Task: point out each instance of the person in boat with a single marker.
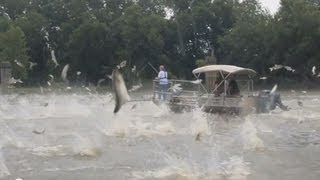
(232, 88)
(163, 83)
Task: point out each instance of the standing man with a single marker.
(232, 87)
(163, 83)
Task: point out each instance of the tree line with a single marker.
(39, 37)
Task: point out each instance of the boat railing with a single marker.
(183, 88)
(220, 101)
(191, 94)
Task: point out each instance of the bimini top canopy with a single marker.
(229, 69)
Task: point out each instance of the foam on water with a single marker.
(187, 165)
(84, 147)
(178, 167)
(48, 151)
(42, 106)
(124, 127)
(235, 168)
(187, 168)
(146, 119)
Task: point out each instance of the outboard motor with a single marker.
(263, 102)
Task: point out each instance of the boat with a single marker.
(210, 91)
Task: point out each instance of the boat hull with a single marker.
(179, 107)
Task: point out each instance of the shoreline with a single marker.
(147, 86)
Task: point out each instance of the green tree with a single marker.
(13, 49)
(246, 43)
(89, 48)
(13, 8)
(34, 25)
(140, 37)
(297, 30)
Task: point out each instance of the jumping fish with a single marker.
(120, 90)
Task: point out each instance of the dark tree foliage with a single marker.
(93, 36)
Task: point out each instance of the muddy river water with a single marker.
(76, 136)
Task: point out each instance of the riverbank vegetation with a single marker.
(39, 37)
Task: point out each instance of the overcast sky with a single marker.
(272, 5)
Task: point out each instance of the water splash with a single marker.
(235, 168)
(199, 125)
(250, 138)
(179, 167)
(81, 132)
(86, 148)
(4, 171)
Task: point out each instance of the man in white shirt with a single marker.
(163, 83)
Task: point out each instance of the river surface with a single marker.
(77, 136)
